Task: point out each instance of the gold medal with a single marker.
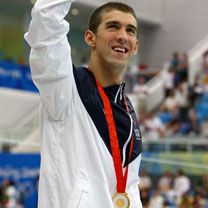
(121, 200)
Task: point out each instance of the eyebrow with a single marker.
(117, 23)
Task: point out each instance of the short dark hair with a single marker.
(96, 16)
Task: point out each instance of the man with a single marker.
(90, 140)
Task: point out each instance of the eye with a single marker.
(131, 31)
(112, 26)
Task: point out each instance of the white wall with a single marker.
(185, 23)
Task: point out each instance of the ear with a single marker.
(136, 47)
(90, 38)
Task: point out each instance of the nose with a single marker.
(122, 35)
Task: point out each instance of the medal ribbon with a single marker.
(121, 178)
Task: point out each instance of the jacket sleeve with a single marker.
(50, 55)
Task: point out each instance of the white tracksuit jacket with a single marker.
(77, 168)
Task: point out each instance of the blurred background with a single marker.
(167, 82)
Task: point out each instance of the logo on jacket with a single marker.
(137, 134)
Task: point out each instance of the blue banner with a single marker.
(23, 169)
(16, 76)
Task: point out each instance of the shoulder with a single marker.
(84, 79)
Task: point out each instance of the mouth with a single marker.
(120, 49)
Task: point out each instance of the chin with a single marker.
(118, 64)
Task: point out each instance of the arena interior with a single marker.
(167, 82)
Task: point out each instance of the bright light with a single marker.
(75, 11)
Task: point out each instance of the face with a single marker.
(116, 39)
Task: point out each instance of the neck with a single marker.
(106, 74)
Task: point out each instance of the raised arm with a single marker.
(50, 56)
